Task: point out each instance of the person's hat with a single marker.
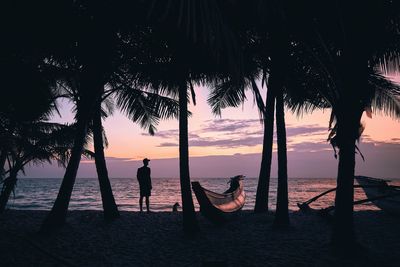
(146, 160)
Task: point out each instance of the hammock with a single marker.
(213, 205)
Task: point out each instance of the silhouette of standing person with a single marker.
(143, 176)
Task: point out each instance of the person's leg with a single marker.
(141, 203)
(147, 203)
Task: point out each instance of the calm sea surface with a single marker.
(40, 193)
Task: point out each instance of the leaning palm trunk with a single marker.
(8, 188)
(189, 216)
(3, 158)
(282, 210)
(265, 170)
(107, 197)
(58, 213)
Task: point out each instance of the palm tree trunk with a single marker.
(343, 228)
(265, 170)
(107, 197)
(349, 110)
(343, 235)
(189, 215)
(3, 158)
(282, 209)
(58, 213)
(8, 187)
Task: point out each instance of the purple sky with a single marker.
(231, 144)
(381, 160)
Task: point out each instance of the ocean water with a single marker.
(40, 193)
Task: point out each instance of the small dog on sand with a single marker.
(175, 207)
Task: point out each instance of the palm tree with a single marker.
(104, 76)
(164, 78)
(92, 58)
(33, 142)
(193, 42)
(25, 135)
(86, 62)
(277, 55)
(346, 48)
(262, 195)
(95, 129)
(189, 219)
(282, 202)
(273, 62)
(83, 64)
(23, 110)
(107, 197)
(3, 158)
(58, 213)
(143, 107)
(280, 47)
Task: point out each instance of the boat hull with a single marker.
(376, 189)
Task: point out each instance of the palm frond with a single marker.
(107, 107)
(192, 92)
(146, 108)
(386, 98)
(258, 99)
(226, 94)
(88, 154)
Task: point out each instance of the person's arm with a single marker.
(151, 187)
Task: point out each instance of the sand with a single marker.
(156, 239)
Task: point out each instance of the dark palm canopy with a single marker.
(26, 135)
(144, 57)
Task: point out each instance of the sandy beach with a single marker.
(156, 239)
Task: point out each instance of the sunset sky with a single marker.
(232, 144)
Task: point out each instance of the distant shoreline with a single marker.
(193, 178)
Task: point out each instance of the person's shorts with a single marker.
(145, 192)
